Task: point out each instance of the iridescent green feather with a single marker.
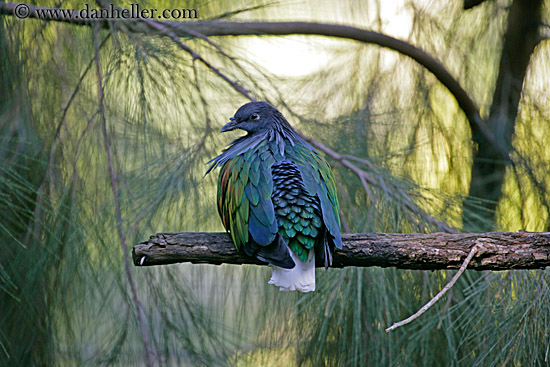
(245, 185)
(232, 203)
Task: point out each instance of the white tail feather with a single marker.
(299, 278)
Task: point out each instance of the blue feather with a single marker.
(261, 234)
(252, 194)
(264, 212)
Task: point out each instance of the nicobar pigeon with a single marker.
(277, 197)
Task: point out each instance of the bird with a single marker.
(277, 197)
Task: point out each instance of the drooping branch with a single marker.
(217, 28)
(496, 250)
(367, 180)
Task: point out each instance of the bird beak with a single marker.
(231, 125)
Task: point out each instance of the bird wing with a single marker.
(245, 186)
(318, 180)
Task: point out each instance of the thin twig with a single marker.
(165, 31)
(366, 178)
(140, 313)
(438, 296)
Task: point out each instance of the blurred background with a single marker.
(65, 293)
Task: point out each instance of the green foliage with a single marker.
(64, 294)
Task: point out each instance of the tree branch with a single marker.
(496, 250)
(217, 28)
(492, 158)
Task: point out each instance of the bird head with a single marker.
(255, 117)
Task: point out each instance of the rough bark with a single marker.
(492, 158)
(497, 250)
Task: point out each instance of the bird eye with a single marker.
(255, 117)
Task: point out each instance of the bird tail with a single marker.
(277, 253)
(324, 251)
(299, 278)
